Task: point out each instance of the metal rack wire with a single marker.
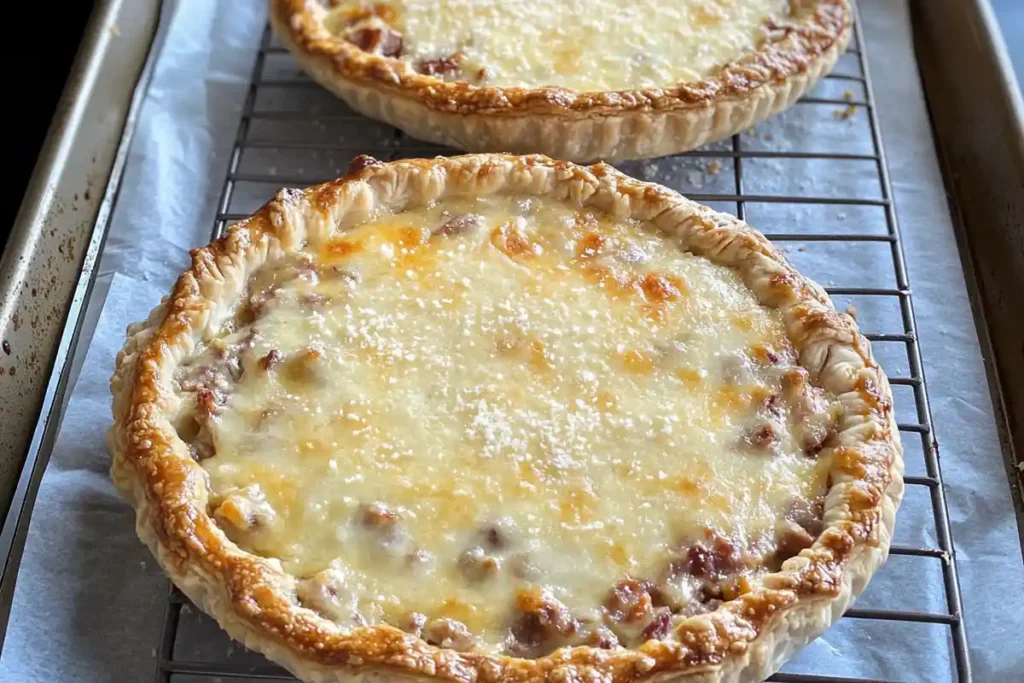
(172, 667)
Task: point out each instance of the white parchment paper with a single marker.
(89, 599)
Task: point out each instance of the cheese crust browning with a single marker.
(214, 359)
(574, 100)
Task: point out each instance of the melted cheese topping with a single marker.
(585, 45)
(571, 396)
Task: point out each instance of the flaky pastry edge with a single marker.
(564, 123)
(251, 597)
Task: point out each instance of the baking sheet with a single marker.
(89, 599)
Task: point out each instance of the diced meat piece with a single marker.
(712, 559)
(496, 536)
(708, 598)
(381, 520)
(799, 529)
(201, 445)
(629, 600)
(378, 40)
(265, 288)
(208, 403)
(209, 375)
(636, 612)
(328, 594)
(210, 389)
(701, 562)
(686, 593)
(659, 626)
(458, 224)
(448, 633)
(476, 565)
(256, 303)
(761, 438)
(807, 514)
(386, 527)
(271, 359)
(391, 44)
(550, 613)
(244, 509)
(378, 515)
(195, 429)
(544, 624)
(217, 370)
(790, 539)
(692, 582)
(772, 405)
(228, 358)
(441, 66)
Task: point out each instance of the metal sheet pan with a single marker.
(54, 230)
(978, 116)
(46, 268)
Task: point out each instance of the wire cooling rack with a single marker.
(292, 133)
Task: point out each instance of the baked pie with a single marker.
(496, 418)
(576, 79)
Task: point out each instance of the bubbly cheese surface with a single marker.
(445, 406)
(585, 45)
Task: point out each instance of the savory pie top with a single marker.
(499, 418)
(576, 79)
(578, 44)
(452, 408)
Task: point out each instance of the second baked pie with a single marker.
(574, 79)
(495, 418)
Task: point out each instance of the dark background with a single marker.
(35, 73)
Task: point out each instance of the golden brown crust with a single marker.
(566, 123)
(253, 598)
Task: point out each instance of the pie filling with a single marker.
(508, 425)
(586, 45)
